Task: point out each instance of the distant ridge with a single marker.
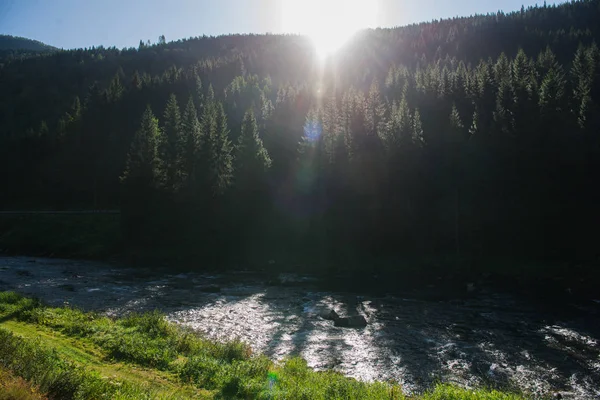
(17, 43)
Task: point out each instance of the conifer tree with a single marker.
(583, 72)
(331, 125)
(474, 129)
(417, 129)
(501, 69)
(456, 126)
(374, 110)
(552, 92)
(136, 82)
(251, 158)
(115, 89)
(172, 144)
(217, 149)
(143, 169)
(191, 131)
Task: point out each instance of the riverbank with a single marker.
(98, 237)
(84, 236)
(66, 353)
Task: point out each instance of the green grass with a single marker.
(75, 355)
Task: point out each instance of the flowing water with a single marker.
(488, 339)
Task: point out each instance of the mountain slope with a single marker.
(17, 43)
(472, 136)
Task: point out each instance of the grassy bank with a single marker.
(66, 353)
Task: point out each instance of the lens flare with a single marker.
(329, 23)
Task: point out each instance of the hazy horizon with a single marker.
(72, 24)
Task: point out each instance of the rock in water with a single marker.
(329, 314)
(357, 321)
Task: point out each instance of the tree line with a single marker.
(412, 142)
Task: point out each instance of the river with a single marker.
(490, 338)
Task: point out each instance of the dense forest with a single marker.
(473, 137)
(12, 47)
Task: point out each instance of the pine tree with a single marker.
(115, 89)
(353, 122)
(266, 109)
(331, 126)
(501, 69)
(457, 133)
(217, 149)
(191, 131)
(374, 110)
(484, 96)
(546, 61)
(398, 132)
(523, 86)
(312, 133)
(552, 93)
(143, 168)
(172, 144)
(210, 95)
(43, 130)
(199, 89)
(75, 113)
(417, 129)
(503, 114)
(136, 82)
(251, 158)
(474, 128)
(583, 72)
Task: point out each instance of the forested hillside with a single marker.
(475, 137)
(15, 47)
(8, 42)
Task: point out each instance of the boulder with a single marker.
(329, 314)
(357, 321)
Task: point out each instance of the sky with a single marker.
(122, 23)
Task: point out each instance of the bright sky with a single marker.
(122, 23)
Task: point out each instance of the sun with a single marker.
(329, 23)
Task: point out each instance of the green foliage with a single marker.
(115, 90)
(192, 137)
(252, 159)
(552, 92)
(172, 144)
(334, 160)
(217, 148)
(57, 377)
(449, 392)
(227, 370)
(144, 166)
